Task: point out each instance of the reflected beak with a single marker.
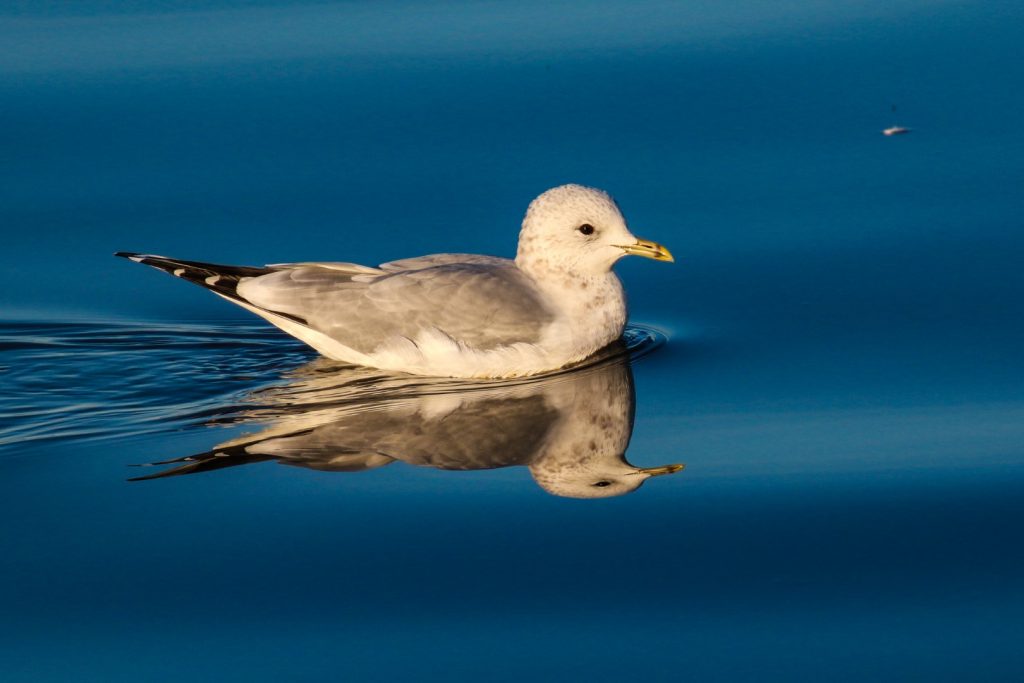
(658, 471)
(648, 249)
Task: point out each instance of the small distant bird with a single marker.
(455, 315)
(895, 129)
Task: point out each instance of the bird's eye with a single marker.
(586, 229)
(602, 484)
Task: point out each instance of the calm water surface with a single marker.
(836, 355)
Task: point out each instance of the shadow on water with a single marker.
(83, 382)
(570, 428)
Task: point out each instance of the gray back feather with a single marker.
(484, 302)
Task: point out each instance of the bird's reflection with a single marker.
(570, 429)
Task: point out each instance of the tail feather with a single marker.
(224, 280)
(220, 279)
(216, 459)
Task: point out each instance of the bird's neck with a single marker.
(560, 273)
(571, 287)
(592, 307)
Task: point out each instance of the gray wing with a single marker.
(484, 302)
(421, 262)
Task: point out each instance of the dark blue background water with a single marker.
(843, 374)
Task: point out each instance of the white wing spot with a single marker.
(212, 280)
(178, 272)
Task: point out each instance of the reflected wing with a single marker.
(435, 431)
(446, 433)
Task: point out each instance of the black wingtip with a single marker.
(125, 254)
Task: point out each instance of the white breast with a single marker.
(589, 316)
(592, 314)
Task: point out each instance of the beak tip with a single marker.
(664, 469)
(648, 249)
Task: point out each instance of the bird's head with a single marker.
(581, 230)
(605, 478)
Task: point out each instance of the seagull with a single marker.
(895, 130)
(454, 315)
(570, 430)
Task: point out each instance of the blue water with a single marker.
(836, 355)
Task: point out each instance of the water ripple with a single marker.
(80, 381)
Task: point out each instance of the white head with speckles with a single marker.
(605, 477)
(584, 453)
(577, 229)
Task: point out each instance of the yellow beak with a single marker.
(648, 249)
(658, 471)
